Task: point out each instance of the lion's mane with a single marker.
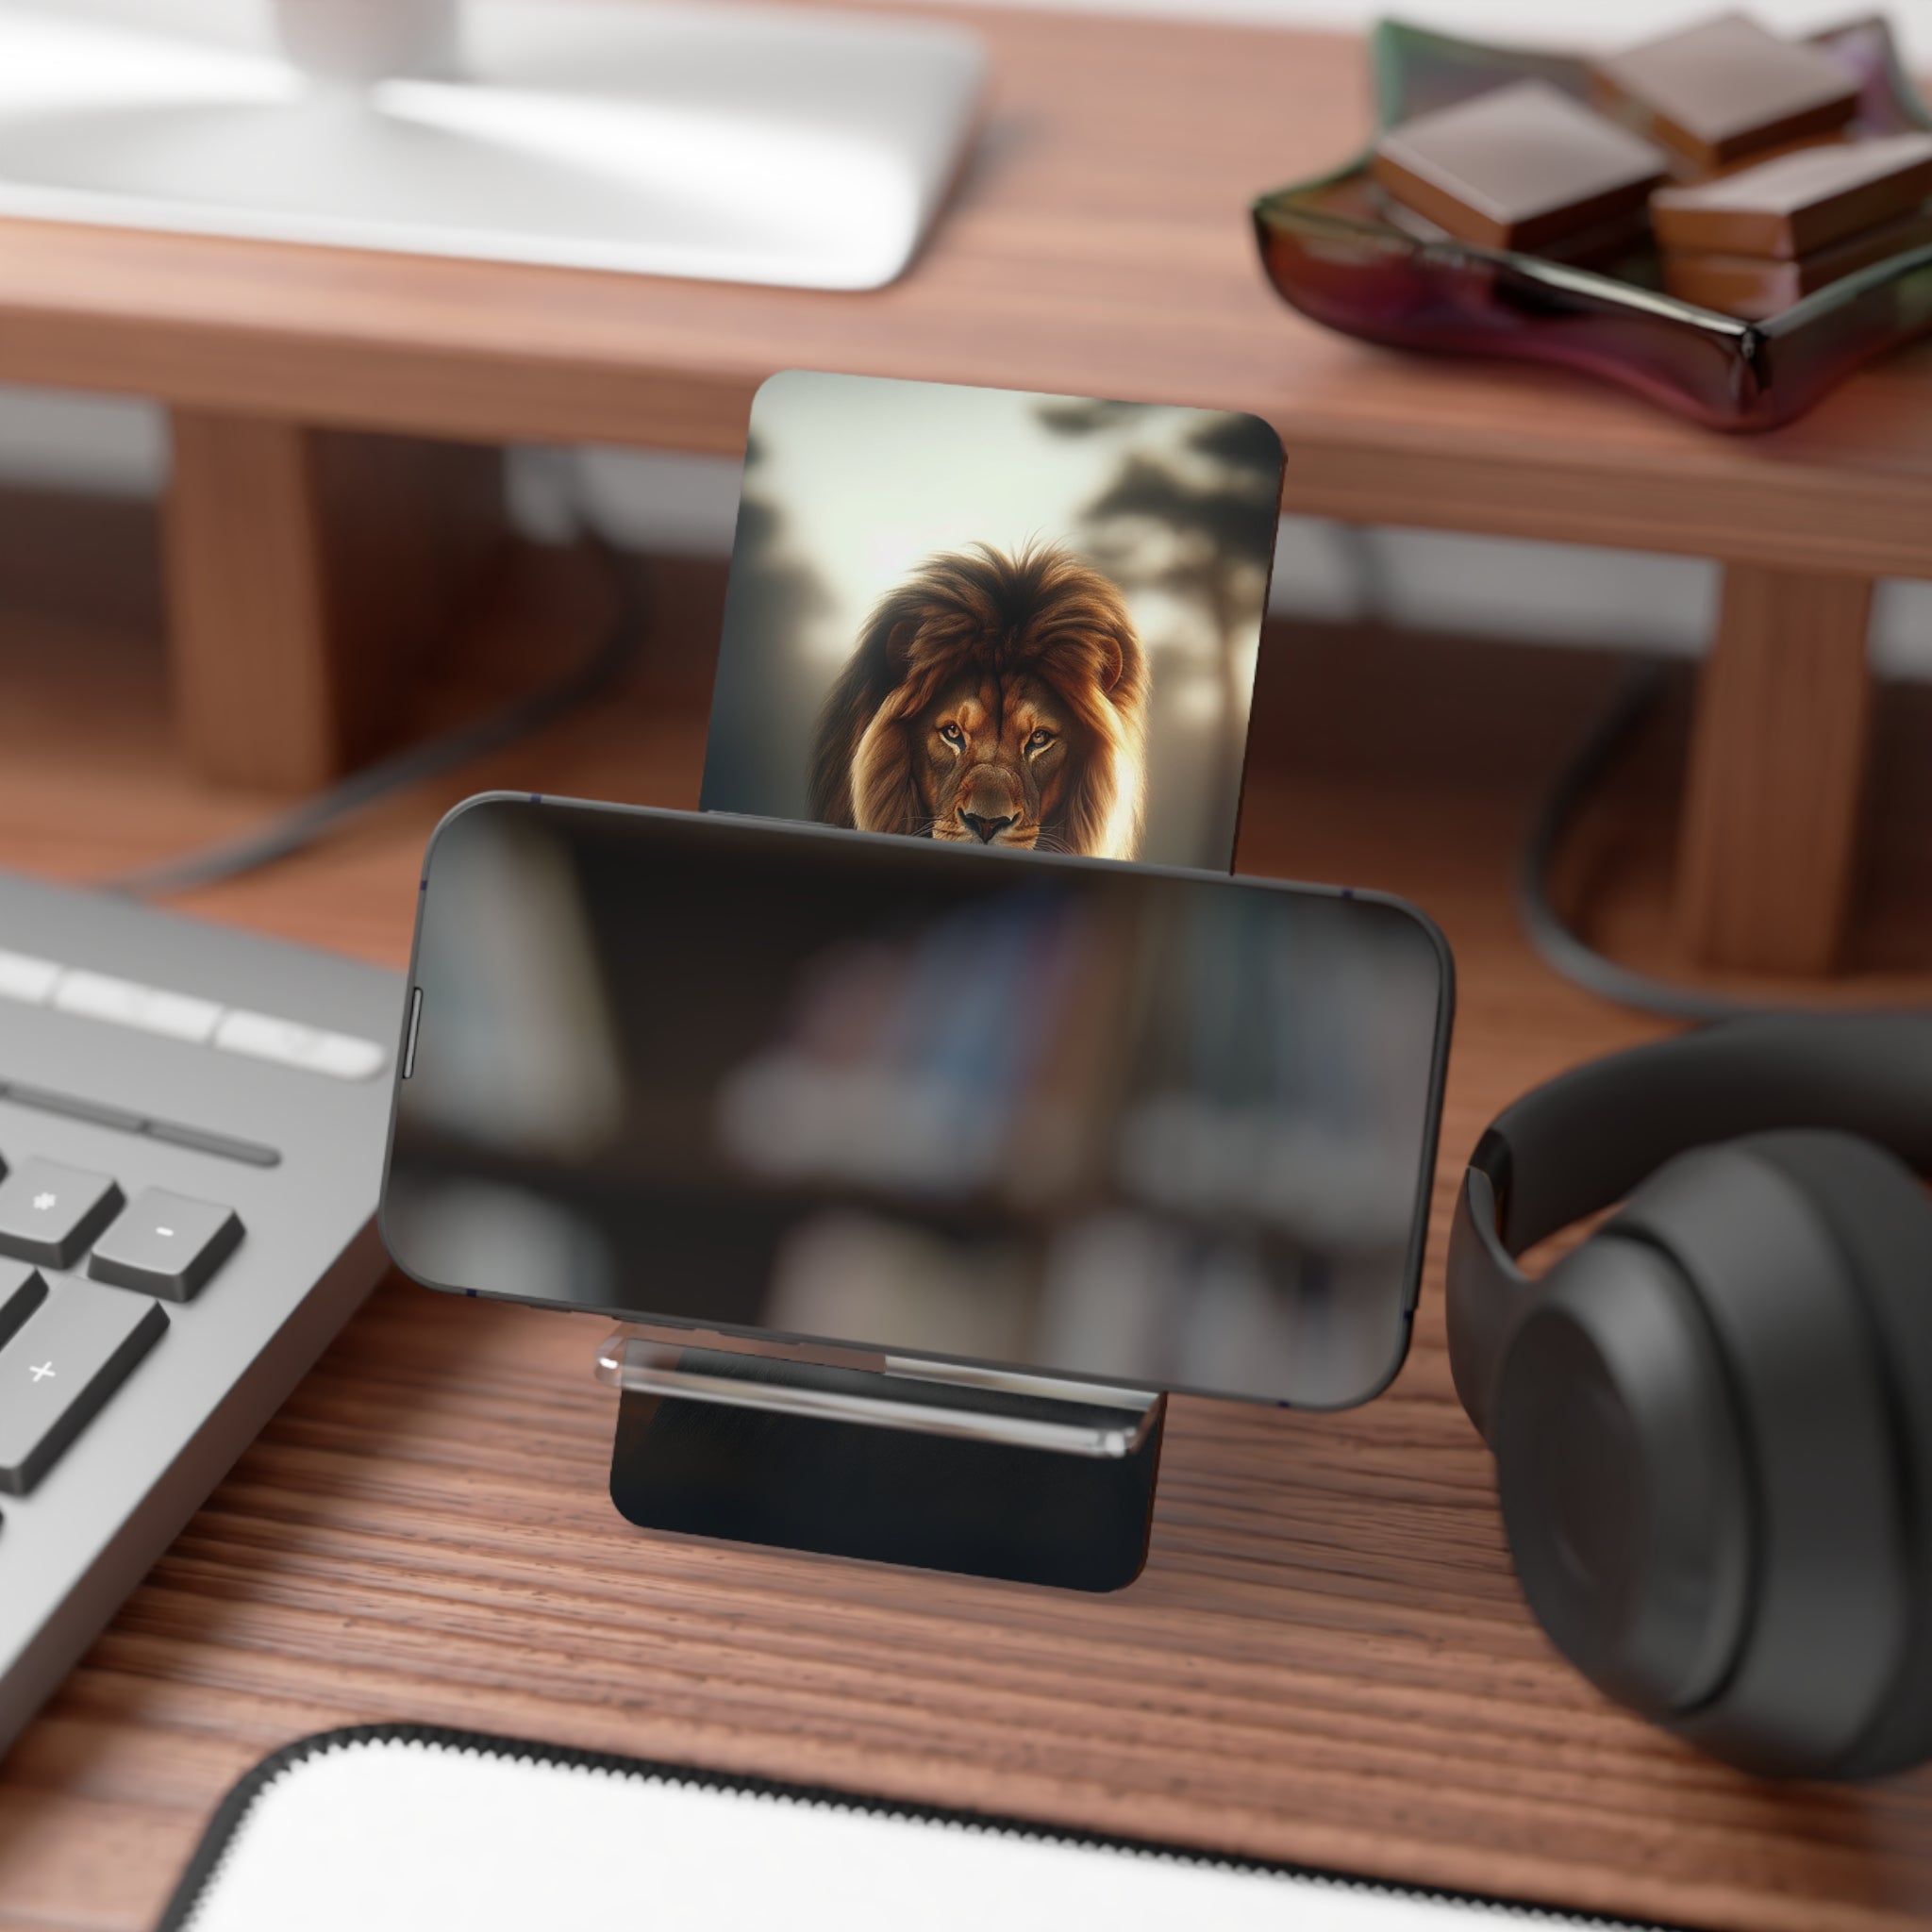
(1043, 611)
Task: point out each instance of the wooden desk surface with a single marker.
(1326, 1658)
(1099, 243)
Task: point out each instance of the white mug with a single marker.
(361, 41)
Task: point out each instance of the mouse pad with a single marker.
(990, 616)
(392, 1828)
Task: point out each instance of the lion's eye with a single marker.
(1040, 740)
(952, 734)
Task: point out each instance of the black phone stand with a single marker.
(940, 1467)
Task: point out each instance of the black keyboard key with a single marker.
(22, 1291)
(166, 1244)
(50, 1213)
(178, 1135)
(70, 1354)
(95, 1112)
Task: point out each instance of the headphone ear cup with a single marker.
(1879, 1212)
(1831, 1591)
(1622, 1477)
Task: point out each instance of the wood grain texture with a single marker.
(1326, 1658)
(1778, 776)
(1097, 243)
(308, 572)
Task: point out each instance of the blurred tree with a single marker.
(1200, 527)
(768, 691)
(1083, 415)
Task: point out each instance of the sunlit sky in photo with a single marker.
(872, 478)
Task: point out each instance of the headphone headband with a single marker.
(1582, 1142)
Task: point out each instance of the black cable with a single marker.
(301, 825)
(1558, 945)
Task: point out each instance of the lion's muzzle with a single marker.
(990, 806)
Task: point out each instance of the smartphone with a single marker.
(1143, 1128)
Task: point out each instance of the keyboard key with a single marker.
(70, 1354)
(124, 1003)
(73, 1106)
(50, 1213)
(166, 1244)
(290, 1044)
(178, 1134)
(22, 1291)
(24, 977)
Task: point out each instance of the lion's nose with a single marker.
(983, 828)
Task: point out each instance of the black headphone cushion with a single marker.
(1879, 1212)
(1829, 1501)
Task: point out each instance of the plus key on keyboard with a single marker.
(67, 1358)
(166, 1244)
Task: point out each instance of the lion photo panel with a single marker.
(988, 616)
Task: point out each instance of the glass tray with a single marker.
(1332, 252)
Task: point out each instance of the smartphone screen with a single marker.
(1161, 1129)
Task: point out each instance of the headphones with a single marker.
(1712, 1421)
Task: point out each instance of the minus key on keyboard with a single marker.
(166, 1244)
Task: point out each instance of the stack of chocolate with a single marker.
(1754, 242)
(1734, 148)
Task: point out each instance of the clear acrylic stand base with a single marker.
(984, 1474)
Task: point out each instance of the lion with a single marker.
(994, 700)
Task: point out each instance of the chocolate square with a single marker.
(1756, 286)
(1518, 167)
(1727, 88)
(1800, 201)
